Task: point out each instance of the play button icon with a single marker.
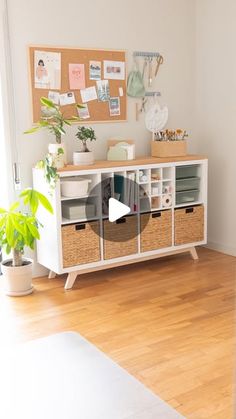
(117, 210)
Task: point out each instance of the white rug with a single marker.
(63, 376)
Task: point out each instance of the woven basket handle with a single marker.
(189, 210)
(80, 226)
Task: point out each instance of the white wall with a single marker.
(216, 114)
(167, 26)
(163, 25)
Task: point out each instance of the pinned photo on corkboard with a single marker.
(103, 90)
(114, 70)
(114, 106)
(95, 70)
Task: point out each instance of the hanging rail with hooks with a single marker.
(153, 94)
(146, 54)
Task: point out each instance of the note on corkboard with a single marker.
(95, 78)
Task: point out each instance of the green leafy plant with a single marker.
(85, 134)
(20, 229)
(53, 119)
(50, 171)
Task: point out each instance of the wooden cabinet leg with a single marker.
(193, 253)
(71, 277)
(51, 275)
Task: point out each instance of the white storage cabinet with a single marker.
(177, 223)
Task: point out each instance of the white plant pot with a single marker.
(59, 160)
(17, 279)
(82, 158)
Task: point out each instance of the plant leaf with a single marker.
(19, 227)
(9, 231)
(32, 200)
(67, 122)
(78, 105)
(32, 130)
(47, 102)
(14, 206)
(33, 230)
(44, 201)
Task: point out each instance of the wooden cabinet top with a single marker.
(140, 161)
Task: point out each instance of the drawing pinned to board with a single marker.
(54, 97)
(114, 70)
(76, 76)
(83, 112)
(103, 90)
(88, 94)
(67, 98)
(114, 106)
(47, 70)
(95, 70)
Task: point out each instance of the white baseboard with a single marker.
(222, 248)
(39, 270)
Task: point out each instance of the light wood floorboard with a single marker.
(169, 322)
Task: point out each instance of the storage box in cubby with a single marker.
(125, 232)
(80, 243)
(187, 197)
(76, 209)
(187, 184)
(74, 186)
(187, 171)
(189, 225)
(157, 233)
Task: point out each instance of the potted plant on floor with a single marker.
(85, 156)
(18, 230)
(54, 121)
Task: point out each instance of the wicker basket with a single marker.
(80, 243)
(189, 225)
(125, 230)
(158, 231)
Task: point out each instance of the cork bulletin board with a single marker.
(103, 71)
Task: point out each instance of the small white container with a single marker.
(74, 187)
(155, 190)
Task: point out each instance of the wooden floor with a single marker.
(169, 322)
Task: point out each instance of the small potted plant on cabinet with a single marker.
(19, 230)
(54, 121)
(85, 156)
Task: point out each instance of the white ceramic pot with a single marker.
(59, 160)
(17, 279)
(82, 158)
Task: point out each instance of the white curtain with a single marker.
(7, 122)
(4, 195)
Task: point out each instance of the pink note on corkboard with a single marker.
(76, 76)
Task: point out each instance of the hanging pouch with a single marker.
(135, 86)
